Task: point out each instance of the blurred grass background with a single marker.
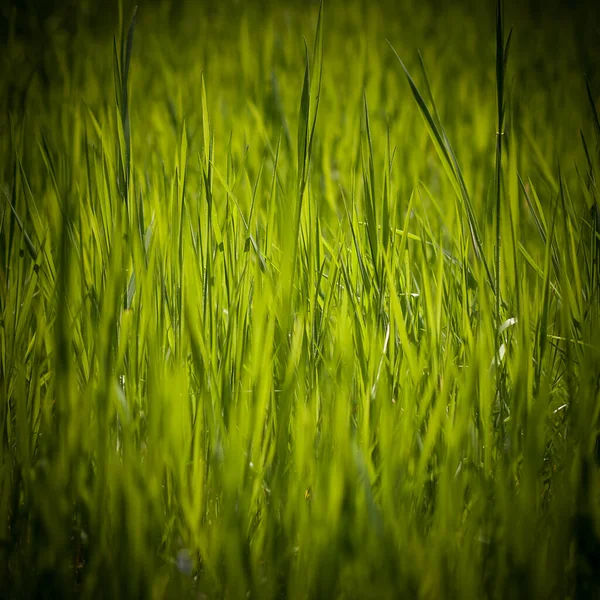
(238, 364)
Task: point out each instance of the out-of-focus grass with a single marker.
(266, 331)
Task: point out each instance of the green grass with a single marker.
(300, 320)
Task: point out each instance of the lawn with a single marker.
(301, 301)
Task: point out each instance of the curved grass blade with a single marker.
(451, 166)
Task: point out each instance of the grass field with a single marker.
(285, 320)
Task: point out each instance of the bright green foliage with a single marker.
(264, 332)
